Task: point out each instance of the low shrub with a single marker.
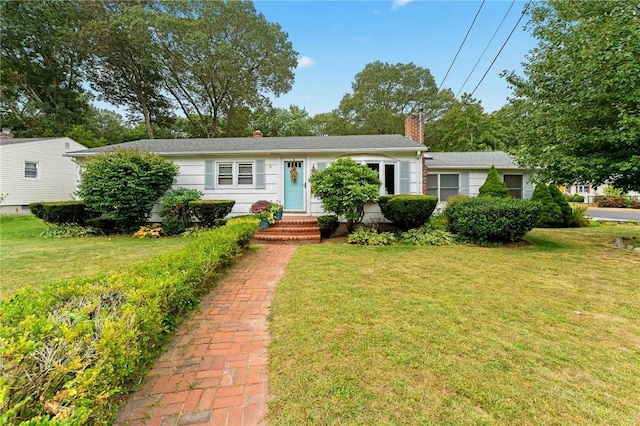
(580, 219)
(427, 236)
(565, 208)
(635, 204)
(105, 224)
(150, 231)
(616, 201)
(439, 221)
(71, 231)
(328, 225)
(366, 236)
(408, 211)
(577, 198)
(492, 220)
(220, 222)
(176, 211)
(208, 211)
(72, 349)
(61, 212)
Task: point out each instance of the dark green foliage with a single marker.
(220, 222)
(70, 231)
(105, 224)
(101, 332)
(492, 220)
(328, 225)
(565, 208)
(493, 186)
(208, 211)
(550, 213)
(176, 213)
(408, 211)
(125, 184)
(577, 198)
(615, 201)
(62, 212)
(427, 235)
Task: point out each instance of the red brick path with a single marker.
(215, 370)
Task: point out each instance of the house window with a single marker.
(387, 175)
(234, 173)
(443, 185)
(31, 170)
(514, 185)
(584, 189)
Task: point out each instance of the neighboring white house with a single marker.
(453, 173)
(261, 168)
(36, 170)
(591, 192)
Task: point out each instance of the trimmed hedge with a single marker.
(408, 211)
(76, 346)
(492, 220)
(328, 225)
(617, 201)
(62, 212)
(550, 212)
(207, 211)
(565, 208)
(493, 186)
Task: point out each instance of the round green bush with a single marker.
(550, 213)
(408, 211)
(577, 198)
(565, 208)
(328, 225)
(493, 186)
(208, 211)
(492, 220)
(62, 212)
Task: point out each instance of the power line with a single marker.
(462, 44)
(524, 11)
(486, 47)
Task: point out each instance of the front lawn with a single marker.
(29, 260)
(545, 333)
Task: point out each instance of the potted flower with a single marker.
(277, 209)
(262, 210)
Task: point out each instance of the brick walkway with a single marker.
(215, 370)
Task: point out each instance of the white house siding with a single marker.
(56, 179)
(192, 175)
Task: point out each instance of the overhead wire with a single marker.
(462, 44)
(486, 47)
(524, 12)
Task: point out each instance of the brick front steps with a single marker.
(291, 230)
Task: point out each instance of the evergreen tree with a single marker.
(493, 186)
(565, 208)
(550, 213)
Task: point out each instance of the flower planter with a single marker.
(264, 224)
(277, 215)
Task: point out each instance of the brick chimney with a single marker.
(257, 134)
(413, 128)
(6, 133)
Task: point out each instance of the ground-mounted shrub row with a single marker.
(209, 211)
(328, 225)
(62, 212)
(408, 211)
(492, 220)
(70, 350)
(616, 201)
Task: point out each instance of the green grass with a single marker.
(537, 334)
(28, 260)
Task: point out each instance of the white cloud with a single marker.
(397, 4)
(305, 62)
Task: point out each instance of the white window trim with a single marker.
(382, 174)
(439, 185)
(24, 170)
(235, 174)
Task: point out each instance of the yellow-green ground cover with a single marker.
(28, 260)
(530, 334)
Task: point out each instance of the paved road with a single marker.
(623, 215)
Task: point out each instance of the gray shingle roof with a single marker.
(471, 160)
(11, 141)
(351, 144)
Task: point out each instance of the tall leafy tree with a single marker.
(384, 94)
(580, 93)
(123, 67)
(218, 57)
(294, 121)
(40, 63)
(465, 127)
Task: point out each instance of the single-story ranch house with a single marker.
(35, 169)
(256, 168)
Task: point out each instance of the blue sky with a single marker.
(336, 39)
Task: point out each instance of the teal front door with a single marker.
(294, 185)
